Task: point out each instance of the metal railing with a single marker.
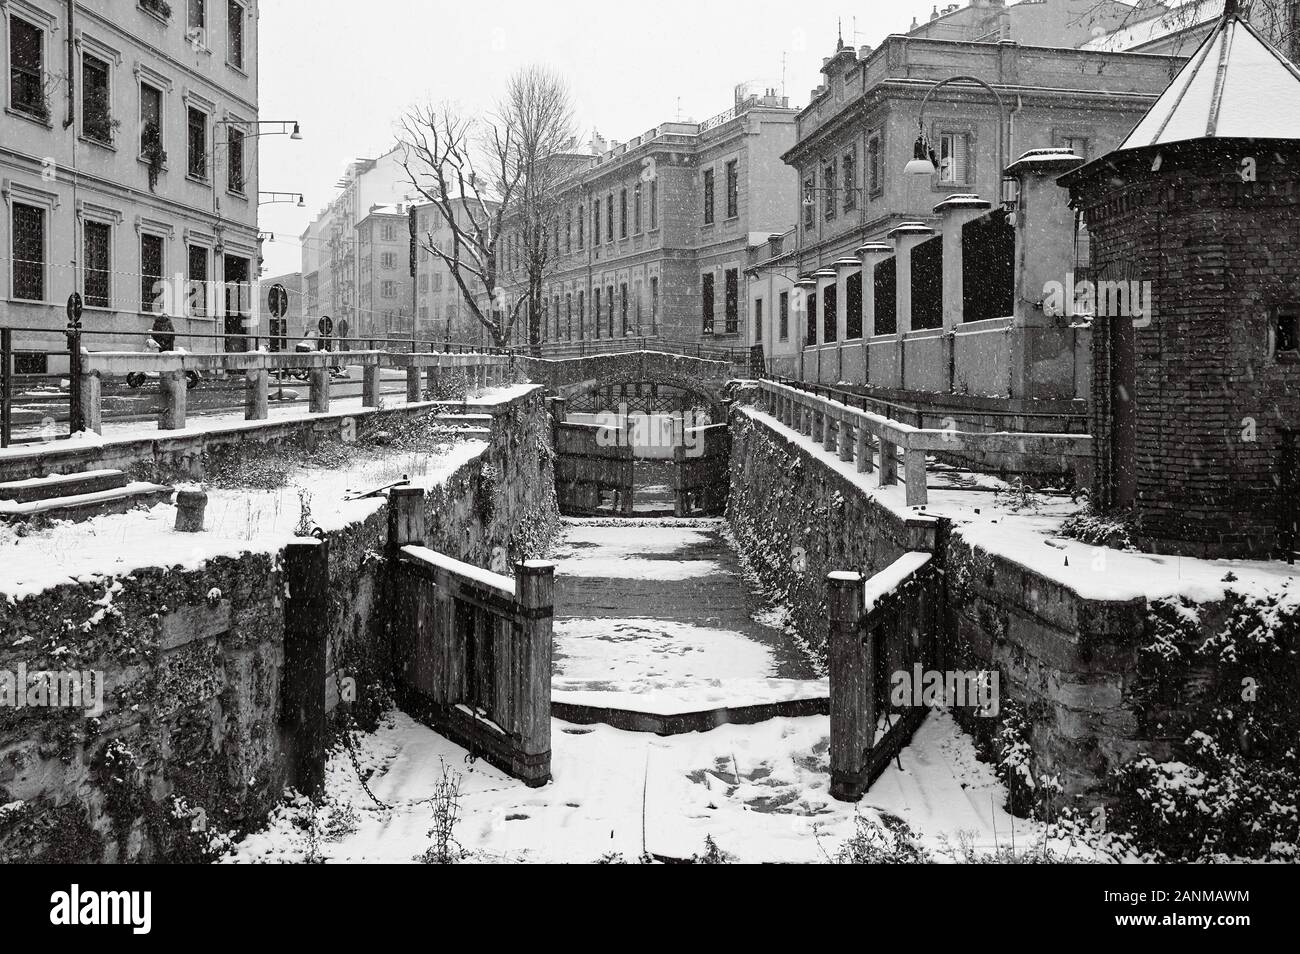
(44, 394)
(593, 346)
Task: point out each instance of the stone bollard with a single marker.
(257, 384)
(190, 508)
(92, 406)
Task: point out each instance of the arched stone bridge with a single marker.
(575, 378)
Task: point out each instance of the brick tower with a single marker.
(1195, 254)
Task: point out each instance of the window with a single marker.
(235, 172)
(388, 289)
(783, 316)
(235, 48)
(1077, 145)
(733, 189)
(389, 232)
(423, 283)
(810, 303)
(732, 301)
(622, 218)
(758, 319)
(595, 223)
(29, 252)
(582, 222)
(623, 306)
(829, 188)
(848, 174)
(873, 164)
(151, 117)
(27, 68)
(596, 306)
(609, 217)
(197, 139)
(97, 252)
(568, 316)
(654, 303)
(1287, 339)
(609, 307)
(198, 291)
(809, 204)
(708, 196)
(636, 208)
(582, 312)
(654, 203)
(706, 301)
(151, 271)
(198, 21)
(568, 230)
(952, 159)
(96, 120)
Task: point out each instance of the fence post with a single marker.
(431, 382)
(256, 394)
(412, 384)
(408, 523)
(410, 628)
(306, 636)
(320, 390)
(830, 430)
(862, 449)
(174, 393)
(534, 592)
(888, 463)
(370, 385)
(92, 407)
(852, 715)
(844, 440)
(914, 477)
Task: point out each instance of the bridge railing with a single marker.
(854, 434)
(177, 372)
(472, 648)
(591, 346)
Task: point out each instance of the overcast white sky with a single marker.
(346, 69)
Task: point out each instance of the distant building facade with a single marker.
(653, 234)
(384, 271)
(136, 185)
(331, 253)
(443, 312)
(857, 133)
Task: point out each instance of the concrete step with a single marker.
(77, 507)
(61, 485)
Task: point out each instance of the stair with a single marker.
(76, 496)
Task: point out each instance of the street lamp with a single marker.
(924, 162)
(282, 197)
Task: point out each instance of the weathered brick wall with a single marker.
(1221, 255)
(193, 661)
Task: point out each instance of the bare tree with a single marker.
(468, 171)
(1278, 20)
(537, 111)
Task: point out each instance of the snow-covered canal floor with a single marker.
(761, 791)
(657, 616)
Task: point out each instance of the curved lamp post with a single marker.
(923, 162)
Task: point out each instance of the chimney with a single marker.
(934, 14)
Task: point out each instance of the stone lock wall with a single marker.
(193, 662)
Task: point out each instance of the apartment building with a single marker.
(331, 254)
(128, 169)
(652, 234)
(384, 271)
(857, 134)
(443, 312)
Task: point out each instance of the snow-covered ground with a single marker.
(761, 791)
(237, 521)
(655, 616)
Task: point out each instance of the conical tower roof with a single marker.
(1236, 85)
